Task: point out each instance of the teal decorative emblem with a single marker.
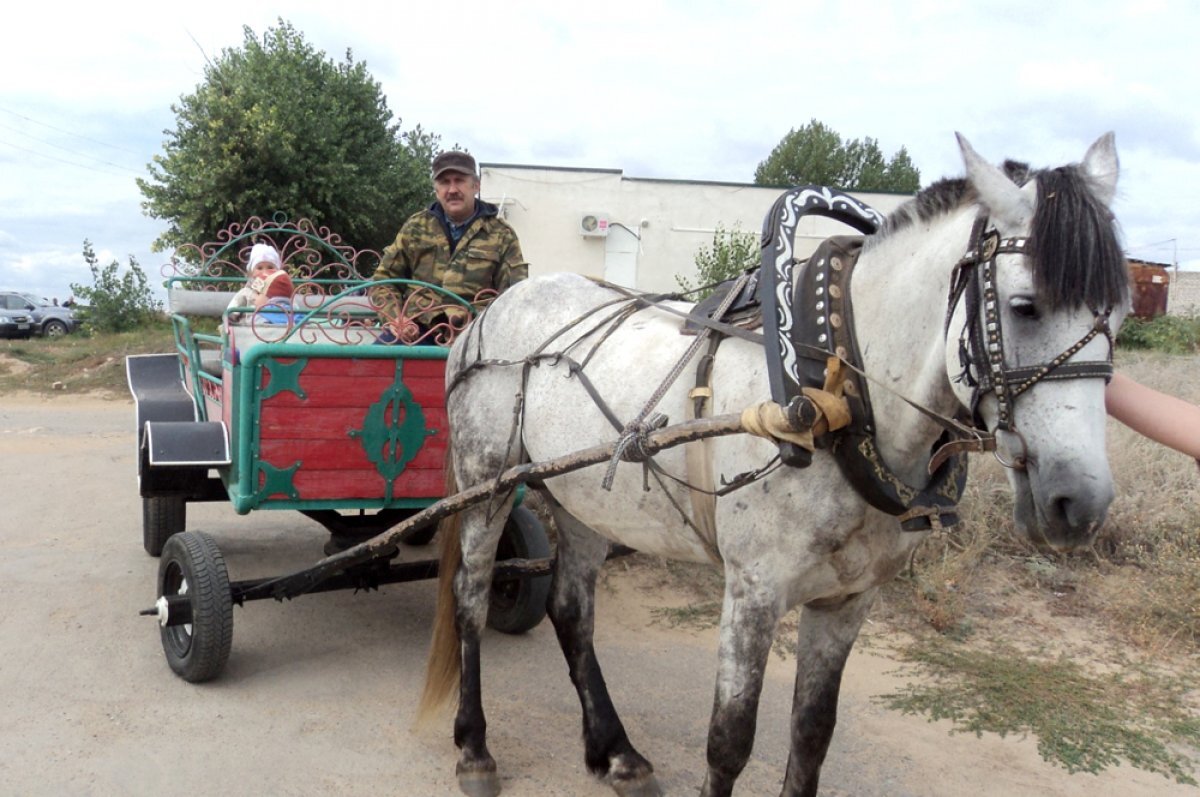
(284, 376)
(393, 432)
(276, 480)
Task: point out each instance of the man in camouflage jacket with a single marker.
(459, 243)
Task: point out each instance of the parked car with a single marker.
(45, 319)
(15, 324)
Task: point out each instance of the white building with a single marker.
(634, 231)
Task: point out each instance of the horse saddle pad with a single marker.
(745, 311)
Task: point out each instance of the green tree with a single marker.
(729, 254)
(815, 154)
(277, 126)
(115, 301)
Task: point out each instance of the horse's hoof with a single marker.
(640, 786)
(479, 784)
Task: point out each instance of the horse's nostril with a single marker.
(1061, 508)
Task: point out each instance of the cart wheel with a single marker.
(519, 605)
(162, 516)
(421, 536)
(192, 565)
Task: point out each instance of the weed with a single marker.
(697, 616)
(1082, 722)
(1173, 334)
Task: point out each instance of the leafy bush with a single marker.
(115, 302)
(730, 253)
(1173, 334)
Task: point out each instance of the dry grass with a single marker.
(1126, 611)
(77, 363)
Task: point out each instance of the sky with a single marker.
(676, 89)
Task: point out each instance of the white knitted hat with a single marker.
(261, 252)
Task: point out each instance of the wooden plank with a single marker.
(316, 485)
(325, 423)
(354, 366)
(310, 423)
(347, 454)
(342, 366)
(330, 392)
(344, 391)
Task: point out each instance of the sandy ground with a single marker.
(319, 693)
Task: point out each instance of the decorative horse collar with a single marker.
(825, 326)
(810, 329)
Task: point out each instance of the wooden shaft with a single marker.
(381, 545)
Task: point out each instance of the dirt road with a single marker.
(319, 693)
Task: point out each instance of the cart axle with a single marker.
(175, 610)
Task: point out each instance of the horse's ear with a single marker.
(1000, 195)
(1101, 166)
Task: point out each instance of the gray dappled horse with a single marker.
(1008, 350)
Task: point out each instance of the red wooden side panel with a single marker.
(342, 424)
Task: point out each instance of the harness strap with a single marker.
(698, 457)
(634, 427)
(653, 300)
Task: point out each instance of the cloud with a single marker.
(697, 90)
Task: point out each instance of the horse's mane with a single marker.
(1074, 248)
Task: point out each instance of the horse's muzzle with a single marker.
(1058, 512)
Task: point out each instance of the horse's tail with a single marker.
(445, 653)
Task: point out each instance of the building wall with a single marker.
(1184, 296)
(655, 227)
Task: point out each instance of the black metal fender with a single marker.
(175, 450)
(156, 384)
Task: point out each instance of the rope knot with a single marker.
(632, 445)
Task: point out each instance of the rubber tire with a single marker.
(515, 607)
(162, 517)
(191, 563)
(421, 536)
(54, 329)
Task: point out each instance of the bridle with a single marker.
(981, 341)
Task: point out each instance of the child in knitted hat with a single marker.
(267, 282)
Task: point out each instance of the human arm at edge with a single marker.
(1163, 418)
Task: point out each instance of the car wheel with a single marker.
(54, 329)
(192, 566)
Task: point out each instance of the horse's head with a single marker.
(1029, 345)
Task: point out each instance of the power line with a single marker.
(60, 160)
(68, 150)
(69, 132)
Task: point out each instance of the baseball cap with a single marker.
(453, 162)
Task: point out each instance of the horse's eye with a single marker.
(1023, 307)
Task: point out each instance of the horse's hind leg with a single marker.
(825, 638)
(476, 769)
(607, 750)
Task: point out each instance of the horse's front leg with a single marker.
(826, 635)
(476, 769)
(607, 750)
(748, 621)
